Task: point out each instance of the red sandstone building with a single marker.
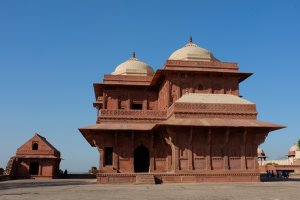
(37, 158)
(183, 123)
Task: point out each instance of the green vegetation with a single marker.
(299, 143)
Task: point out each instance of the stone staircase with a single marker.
(145, 179)
(10, 167)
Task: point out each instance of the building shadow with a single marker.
(38, 183)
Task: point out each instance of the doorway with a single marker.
(141, 159)
(34, 168)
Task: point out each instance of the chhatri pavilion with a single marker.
(185, 122)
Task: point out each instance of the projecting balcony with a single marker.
(132, 115)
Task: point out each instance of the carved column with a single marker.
(104, 100)
(170, 138)
(190, 151)
(128, 103)
(243, 150)
(115, 153)
(176, 158)
(41, 168)
(101, 155)
(208, 150)
(176, 152)
(132, 151)
(225, 149)
(98, 114)
(167, 139)
(151, 167)
(168, 94)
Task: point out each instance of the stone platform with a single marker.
(87, 189)
(133, 178)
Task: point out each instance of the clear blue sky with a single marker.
(51, 52)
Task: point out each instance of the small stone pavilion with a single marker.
(37, 158)
(186, 122)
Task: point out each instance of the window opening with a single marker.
(35, 146)
(108, 155)
(137, 106)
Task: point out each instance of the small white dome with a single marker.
(134, 67)
(192, 52)
(294, 148)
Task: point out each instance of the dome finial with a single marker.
(191, 39)
(133, 54)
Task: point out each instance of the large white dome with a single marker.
(133, 67)
(192, 52)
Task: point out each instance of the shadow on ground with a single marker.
(35, 183)
(280, 179)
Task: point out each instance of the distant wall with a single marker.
(279, 162)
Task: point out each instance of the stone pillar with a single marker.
(132, 152)
(255, 160)
(128, 103)
(225, 149)
(208, 150)
(104, 100)
(176, 158)
(101, 158)
(115, 154)
(40, 167)
(190, 151)
(168, 94)
(170, 138)
(151, 150)
(243, 150)
(101, 154)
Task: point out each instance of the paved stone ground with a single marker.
(87, 189)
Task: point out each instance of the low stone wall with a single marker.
(80, 176)
(112, 178)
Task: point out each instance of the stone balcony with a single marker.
(181, 110)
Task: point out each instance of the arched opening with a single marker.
(141, 159)
(34, 168)
(35, 146)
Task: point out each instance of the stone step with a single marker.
(145, 179)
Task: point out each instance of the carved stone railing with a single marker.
(182, 110)
(152, 115)
(246, 111)
(215, 65)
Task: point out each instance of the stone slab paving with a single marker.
(87, 189)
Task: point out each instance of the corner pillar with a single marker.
(101, 154)
(190, 151)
